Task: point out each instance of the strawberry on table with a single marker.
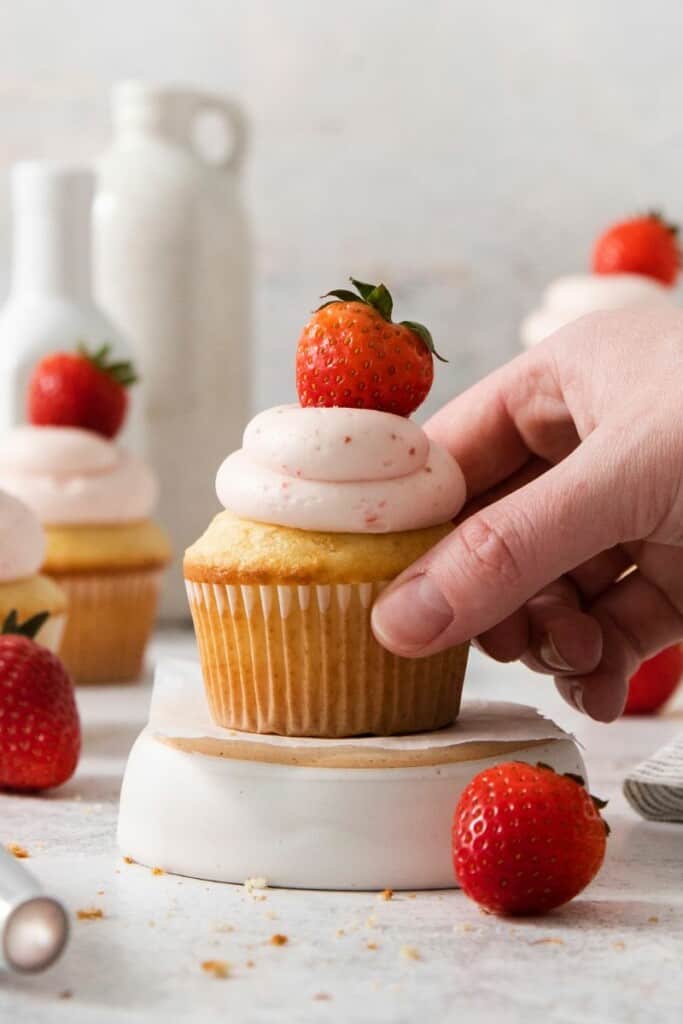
(80, 389)
(525, 839)
(655, 682)
(352, 354)
(645, 245)
(40, 732)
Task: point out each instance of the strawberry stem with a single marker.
(123, 372)
(29, 628)
(379, 298)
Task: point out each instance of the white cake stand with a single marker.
(369, 813)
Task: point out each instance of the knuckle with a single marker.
(491, 551)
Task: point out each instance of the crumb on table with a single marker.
(278, 940)
(90, 914)
(17, 850)
(158, 871)
(409, 953)
(387, 894)
(216, 968)
(128, 860)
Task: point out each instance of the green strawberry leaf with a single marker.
(29, 628)
(380, 299)
(362, 288)
(425, 335)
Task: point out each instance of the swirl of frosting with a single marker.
(340, 470)
(570, 297)
(70, 476)
(22, 541)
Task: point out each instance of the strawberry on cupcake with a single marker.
(95, 500)
(635, 265)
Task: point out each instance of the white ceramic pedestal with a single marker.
(296, 813)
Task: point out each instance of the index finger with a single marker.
(516, 413)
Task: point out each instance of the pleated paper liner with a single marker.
(302, 661)
(110, 618)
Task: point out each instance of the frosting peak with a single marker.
(340, 470)
(574, 295)
(22, 542)
(70, 476)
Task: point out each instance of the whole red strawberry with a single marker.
(350, 353)
(525, 839)
(80, 389)
(40, 732)
(643, 245)
(655, 681)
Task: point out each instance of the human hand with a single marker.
(573, 456)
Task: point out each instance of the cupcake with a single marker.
(635, 265)
(324, 504)
(94, 500)
(24, 593)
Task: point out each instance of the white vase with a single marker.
(50, 304)
(171, 264)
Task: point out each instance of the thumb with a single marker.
(498, 558)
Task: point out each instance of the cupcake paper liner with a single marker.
(110, 618)
(302, 661)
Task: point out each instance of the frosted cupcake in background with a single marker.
(24, 592)
(635, 266)
(325, 503)
(95, 501)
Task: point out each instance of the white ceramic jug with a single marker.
(172, 266)
(50, 305)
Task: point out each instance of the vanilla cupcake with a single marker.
(323, 507)
(23, 591)
(94, 500)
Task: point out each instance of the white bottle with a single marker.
(172, 266)
(50, 304)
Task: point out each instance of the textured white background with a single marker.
(465, 150)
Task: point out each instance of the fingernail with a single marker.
(411, 616)
(576, 697)
(551, 657)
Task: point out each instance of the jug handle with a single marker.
(232, 114)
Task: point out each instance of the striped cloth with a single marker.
(655, 788)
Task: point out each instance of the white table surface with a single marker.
(613, 955)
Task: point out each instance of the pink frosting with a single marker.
(340, 470)
(71, 476)
(22, 541)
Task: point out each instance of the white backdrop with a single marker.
(465, 151)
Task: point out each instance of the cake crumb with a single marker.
(158, 871)
(465, 926)
(410, 953)
(339, 932)
(412, 895)
(549, 940)
(387, 894)
(66, 993)
(371, 945)
(619, 945)
(271, 915)
(17, 850)
(151, 924)
(653, 920)
(128, 860)
(322, 997)
(250, 963)
(371, 921)
(100, 892)
(278, 940)
(224, 929)
(252, 884)
(216, 968)
(90, 914)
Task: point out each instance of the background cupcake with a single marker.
(324, 506)
(25, 593)
(95, 500)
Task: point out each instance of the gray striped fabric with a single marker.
(655, 788)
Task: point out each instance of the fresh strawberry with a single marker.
(80, 389)
(655, 681)
(40, 733)
(525, 839)
(643, 245)
(350, 353)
